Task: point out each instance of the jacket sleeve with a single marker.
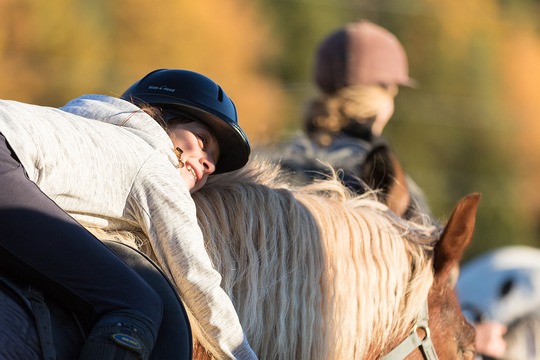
(160, 201)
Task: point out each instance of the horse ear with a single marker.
(382, 170)
(456, 236)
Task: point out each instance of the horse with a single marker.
(319, 272)
(503, 285)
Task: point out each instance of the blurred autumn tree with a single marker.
(470, 125)
(470, 135)
(51, 51)
(458, 119)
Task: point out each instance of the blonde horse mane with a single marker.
(315, 272)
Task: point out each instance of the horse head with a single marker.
(453, 333)
(450, 335)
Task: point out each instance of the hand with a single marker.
(490, 338)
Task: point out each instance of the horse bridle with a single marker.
(413, 341)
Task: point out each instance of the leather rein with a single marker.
(413, 341)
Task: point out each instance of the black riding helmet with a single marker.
(189, 93)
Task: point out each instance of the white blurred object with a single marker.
(503, 285)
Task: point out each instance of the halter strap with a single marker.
(413, 341)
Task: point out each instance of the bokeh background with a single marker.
(471, 124)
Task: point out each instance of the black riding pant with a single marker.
(42, 243)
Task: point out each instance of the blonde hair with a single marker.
(327, 115)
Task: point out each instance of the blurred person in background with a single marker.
(358, 71)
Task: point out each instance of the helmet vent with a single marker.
(220, 94)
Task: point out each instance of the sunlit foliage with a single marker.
(470, 125)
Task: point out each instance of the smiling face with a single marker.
(200, 151)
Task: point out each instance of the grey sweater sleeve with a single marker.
(163, 205)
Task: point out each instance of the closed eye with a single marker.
(203, 140)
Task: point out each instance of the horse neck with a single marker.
(364, 249)
(315, 260)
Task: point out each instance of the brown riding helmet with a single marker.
(361, 53)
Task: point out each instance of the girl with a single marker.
(108, 163)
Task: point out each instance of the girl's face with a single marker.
(385, 112)
(200, 152)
